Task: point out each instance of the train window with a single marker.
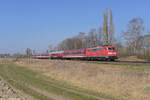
(90, 50)
(111, 49)
(94, 49)
(100, 49)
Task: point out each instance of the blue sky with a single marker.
(37, 23)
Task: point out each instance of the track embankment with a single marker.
(113, 80)
(140, 63)
(38, 86)
(7, 92)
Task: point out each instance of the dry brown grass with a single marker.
(130, 58)
(115, 80)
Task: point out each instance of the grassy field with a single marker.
(116, 82)
(37, 85)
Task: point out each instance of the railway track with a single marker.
(140, 63)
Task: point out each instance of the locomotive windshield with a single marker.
(111, 49)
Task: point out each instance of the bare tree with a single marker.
(76, 42)
(133, 34)
(105, 27)
(100, 38)
(92, 38)
(111, 28)
(34, 52)
(28, 52)
(5, 55)
(17, 56)
(108, 28)
(146, 46)
(81, 38)
(50, 48)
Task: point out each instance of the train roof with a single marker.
(101, 46)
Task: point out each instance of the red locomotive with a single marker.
(95, 53)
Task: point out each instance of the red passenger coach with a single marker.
(79, 53)
(41, 56)
(57, 54)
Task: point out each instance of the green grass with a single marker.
(21, 78)
(28, 91)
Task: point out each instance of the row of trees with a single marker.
(5, 55)
(18, 55)
(103, 36)
(134, 40)
(137, 42)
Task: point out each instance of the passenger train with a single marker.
(94, 53)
